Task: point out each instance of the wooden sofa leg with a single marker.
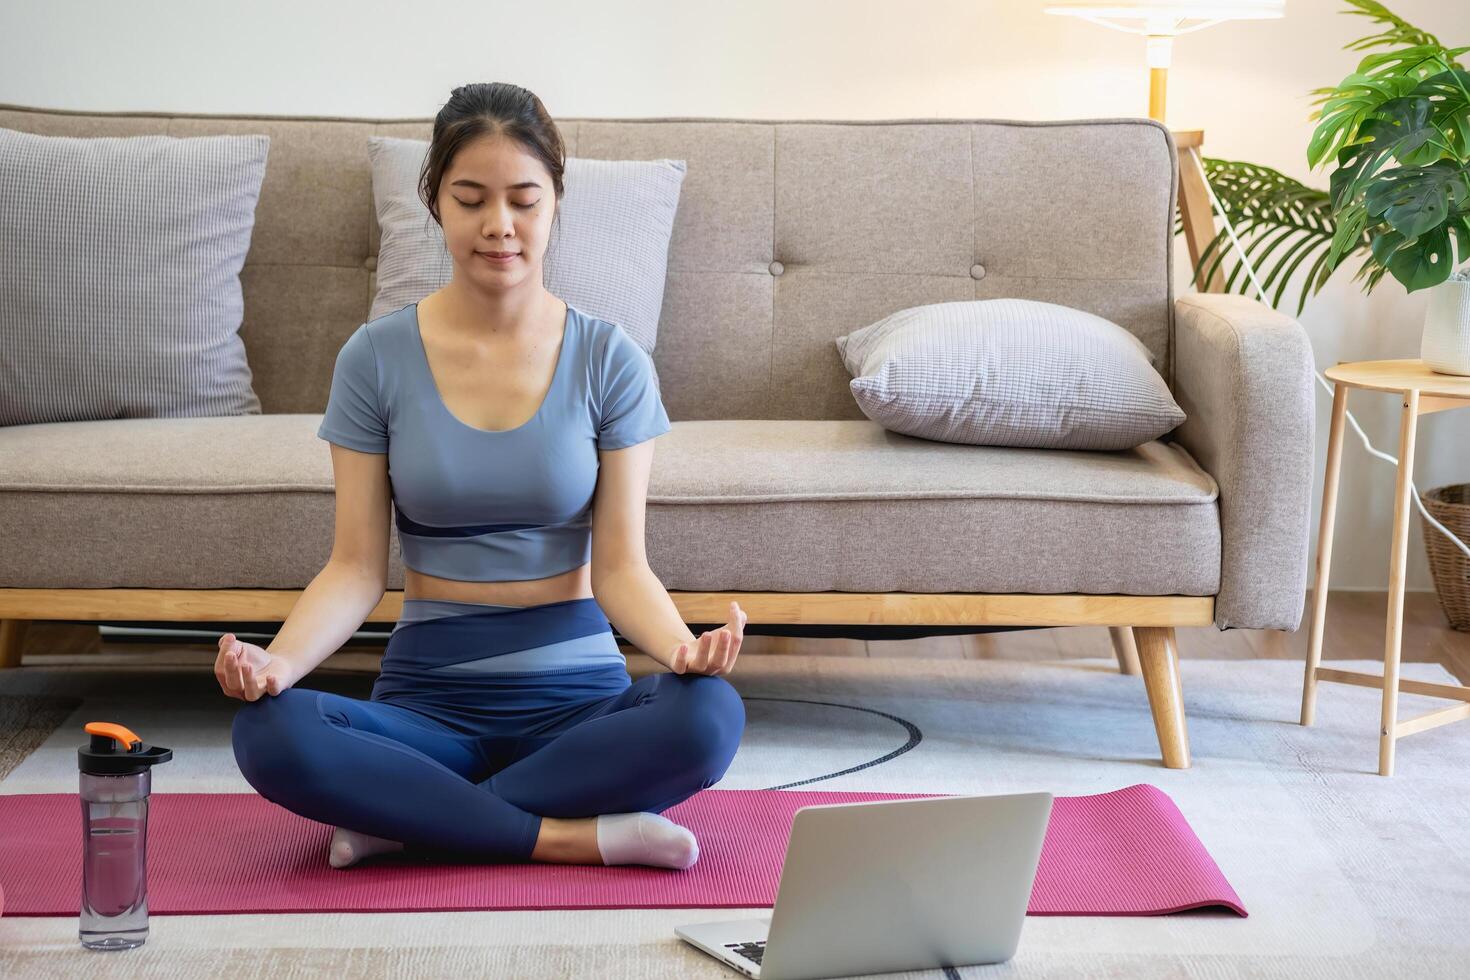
(12, 637)
(1158, 656)
(1125, 649)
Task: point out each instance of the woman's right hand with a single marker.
(247, 671)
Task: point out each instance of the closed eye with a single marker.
(471, 206)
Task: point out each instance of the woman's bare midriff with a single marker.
(573, 584)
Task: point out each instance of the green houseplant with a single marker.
(1397, 130)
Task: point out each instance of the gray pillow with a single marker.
(609, 248)
(120, 266)
(1009, 372)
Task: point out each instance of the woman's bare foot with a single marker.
(567, 841)
(348, 847)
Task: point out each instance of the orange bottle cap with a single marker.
(123, 735)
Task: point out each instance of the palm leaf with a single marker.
(1272, 215)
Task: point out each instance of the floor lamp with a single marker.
(1160, 23)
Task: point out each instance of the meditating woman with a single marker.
(519, 432)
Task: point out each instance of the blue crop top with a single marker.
(487, 505)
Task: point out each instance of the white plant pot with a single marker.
(1445, 346)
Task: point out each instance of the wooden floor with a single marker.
(1354, 631)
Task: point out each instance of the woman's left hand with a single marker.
(715, 651)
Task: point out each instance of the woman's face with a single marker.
(496, 197)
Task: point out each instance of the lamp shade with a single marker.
(1169, 19)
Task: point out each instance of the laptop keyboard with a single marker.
(751, 951)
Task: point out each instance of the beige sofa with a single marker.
(772, 487)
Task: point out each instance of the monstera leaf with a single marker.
(1416, 200)
(1400, 129)
(1351, 104)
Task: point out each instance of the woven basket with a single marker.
(1450, 505)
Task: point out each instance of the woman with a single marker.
(519, 433)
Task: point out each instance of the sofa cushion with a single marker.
(765, 505)
(1008, 372)
(609, 247)
(846, 505)
(121, 275)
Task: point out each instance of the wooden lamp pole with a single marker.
(1158, 84)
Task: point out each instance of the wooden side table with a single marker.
(1422, 392)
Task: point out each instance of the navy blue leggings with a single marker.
(462, 749)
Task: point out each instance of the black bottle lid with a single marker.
(115, 751)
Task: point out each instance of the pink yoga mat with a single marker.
(1128, 852)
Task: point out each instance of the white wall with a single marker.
(1246, 84)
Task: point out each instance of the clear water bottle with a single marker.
(115, 778)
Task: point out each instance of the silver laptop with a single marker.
(892, 885)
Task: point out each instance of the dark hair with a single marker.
(491, 109)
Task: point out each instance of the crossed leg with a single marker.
(384, 770)
(657, 743)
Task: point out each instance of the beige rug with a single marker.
(1345, 873)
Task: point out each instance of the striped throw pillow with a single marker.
(1009, 372)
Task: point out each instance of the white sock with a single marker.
(349, 847)
(645, 838)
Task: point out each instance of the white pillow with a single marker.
(609, 248)
(1009, 372)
